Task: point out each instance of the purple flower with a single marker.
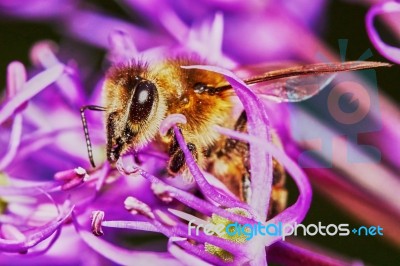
(51, 199)
(387, 8)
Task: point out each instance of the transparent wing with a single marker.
(298, 83)
(293, 89)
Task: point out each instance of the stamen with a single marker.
(36, 236)
(135, 225)
(162, 192)
(208, 190)
(164, 218)
(170, 121)
(237, 238)
(194, 202)
(73, 177)
(127, 170)
(16, 78)
(120, 255)
(258, 125)
(81, 172)
(205, 187)
(188, 217)
(135, 206)
(182, 255)
(43, 214)
(31, 88)
(390, 52)
(43, 54)
(67, 175)
(56, 235)
(97, 219)
(298, 210)
(122, 47)
(73, 183)
(11, 232)
(14, 142)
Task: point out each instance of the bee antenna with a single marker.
(85, 129)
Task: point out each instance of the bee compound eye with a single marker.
(143, 100)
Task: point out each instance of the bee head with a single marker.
(134, 111)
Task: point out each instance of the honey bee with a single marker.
(138, 96)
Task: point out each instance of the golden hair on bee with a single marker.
(138, 96)
(134, 106)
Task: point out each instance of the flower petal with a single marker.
(123, 256)
(298, 210)
(122, 48)
(14, 143)
(196, 203)
(28, 190)
(36, 236)
(16, 78)
(135, 225)
(284, 253)
(31, 88)
(183, 256)
(208, 190)
(260, 162)
(390, 52)
(84, 25)
(43, 54)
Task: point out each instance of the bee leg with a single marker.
(228, 160)
(246, 188)
(137, 159)
(278, 201)
(177, 160)
(279, 192)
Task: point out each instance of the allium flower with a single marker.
(56, 209)
(391, 10)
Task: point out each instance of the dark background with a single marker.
(343, 21)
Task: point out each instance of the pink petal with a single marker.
(84, 25)
(38, 235)
(30, 89)
(390, 52)
(284, 253)
(298, 210)
(122, 256)
(133, 225)
(205, 187)
(183, 256)
(14, 143)
(374, 178)
(12, 233)
(170, 121)
(43, 54)
(260, 161)
(196, 203)
(122, 48)
(16, 78)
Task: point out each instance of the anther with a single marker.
(135, 206)
(97, 219)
